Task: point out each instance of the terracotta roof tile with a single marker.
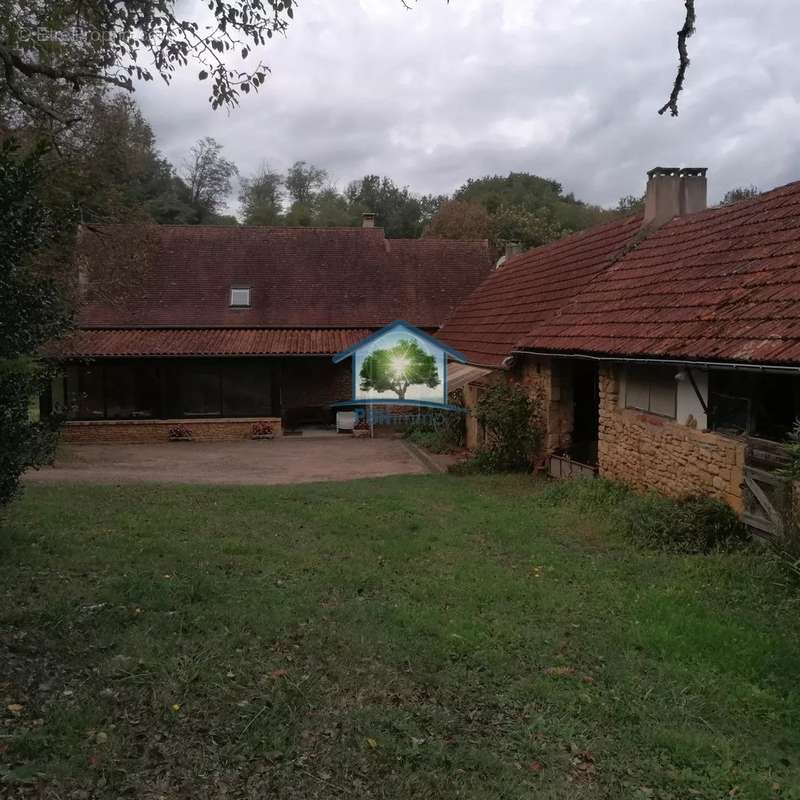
(720, 285)
(135, 342)
(531, 288)
(299, 277)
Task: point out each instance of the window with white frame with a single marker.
(652, 389)
(240, 296)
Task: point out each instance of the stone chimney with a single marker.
(694, 190)
(513, 249)
(673, 192)
(368, 220)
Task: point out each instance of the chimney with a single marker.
(694, 190)
(673, 192)
(368, 220)
(513, 249)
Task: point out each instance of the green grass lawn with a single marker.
(416, 637)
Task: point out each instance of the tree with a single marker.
(108, 167)
(630, 204)
(77, 43)
(331, 210)
(528, 228)
(32, 311)
(460, 219)
(261, 198)
(303, 182)
(396, 210)
(740, 193)
(396, 368)
(71, 44)
(208, 175)
(532, 193)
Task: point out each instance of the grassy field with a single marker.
(431, 637)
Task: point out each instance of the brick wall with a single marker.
(150, 431)
(651, 452)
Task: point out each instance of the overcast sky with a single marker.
(567, 89)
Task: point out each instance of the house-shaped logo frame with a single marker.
(442, 352)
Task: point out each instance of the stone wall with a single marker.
(651, 452)
(543, 378)
(153, 431)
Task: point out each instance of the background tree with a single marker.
(331, 210)
(396, 368)
(208, 175)
(630, 204)
(261, 198)
(303, 183)
(396, 209)
(460, 219)
(740, 193)
(32, 311)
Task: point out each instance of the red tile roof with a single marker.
(127, 342)
(531, 288)
(720, 285)
(299, 277)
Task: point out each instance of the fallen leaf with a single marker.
(372, 743)
(279, 673)
(535, 766)
(559, 672)
(176, 706)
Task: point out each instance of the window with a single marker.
(764, 405)
(201, 390)
(245, 388)
(91, 402)
(652, 389)
(240, 296)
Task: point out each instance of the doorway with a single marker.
(585, 412)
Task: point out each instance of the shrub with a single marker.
(692, 524)
(792, 448)
(437, 441)
(441, 432)
(512, 422)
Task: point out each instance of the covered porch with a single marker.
(142, 399)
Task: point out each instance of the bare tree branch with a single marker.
(683, 34)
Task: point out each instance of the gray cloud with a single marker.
(568, 90)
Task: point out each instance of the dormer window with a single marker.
(240, 296)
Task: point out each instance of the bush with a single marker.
(514, 432)
(693, 524)
(441, 432)
(437, 441)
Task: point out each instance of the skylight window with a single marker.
(240, 297)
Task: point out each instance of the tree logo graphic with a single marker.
(396, 368)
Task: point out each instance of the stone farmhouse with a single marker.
(665, 347)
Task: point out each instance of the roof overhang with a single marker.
(742, 366)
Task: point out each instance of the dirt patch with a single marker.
(276, 461)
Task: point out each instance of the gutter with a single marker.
(673, 362)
